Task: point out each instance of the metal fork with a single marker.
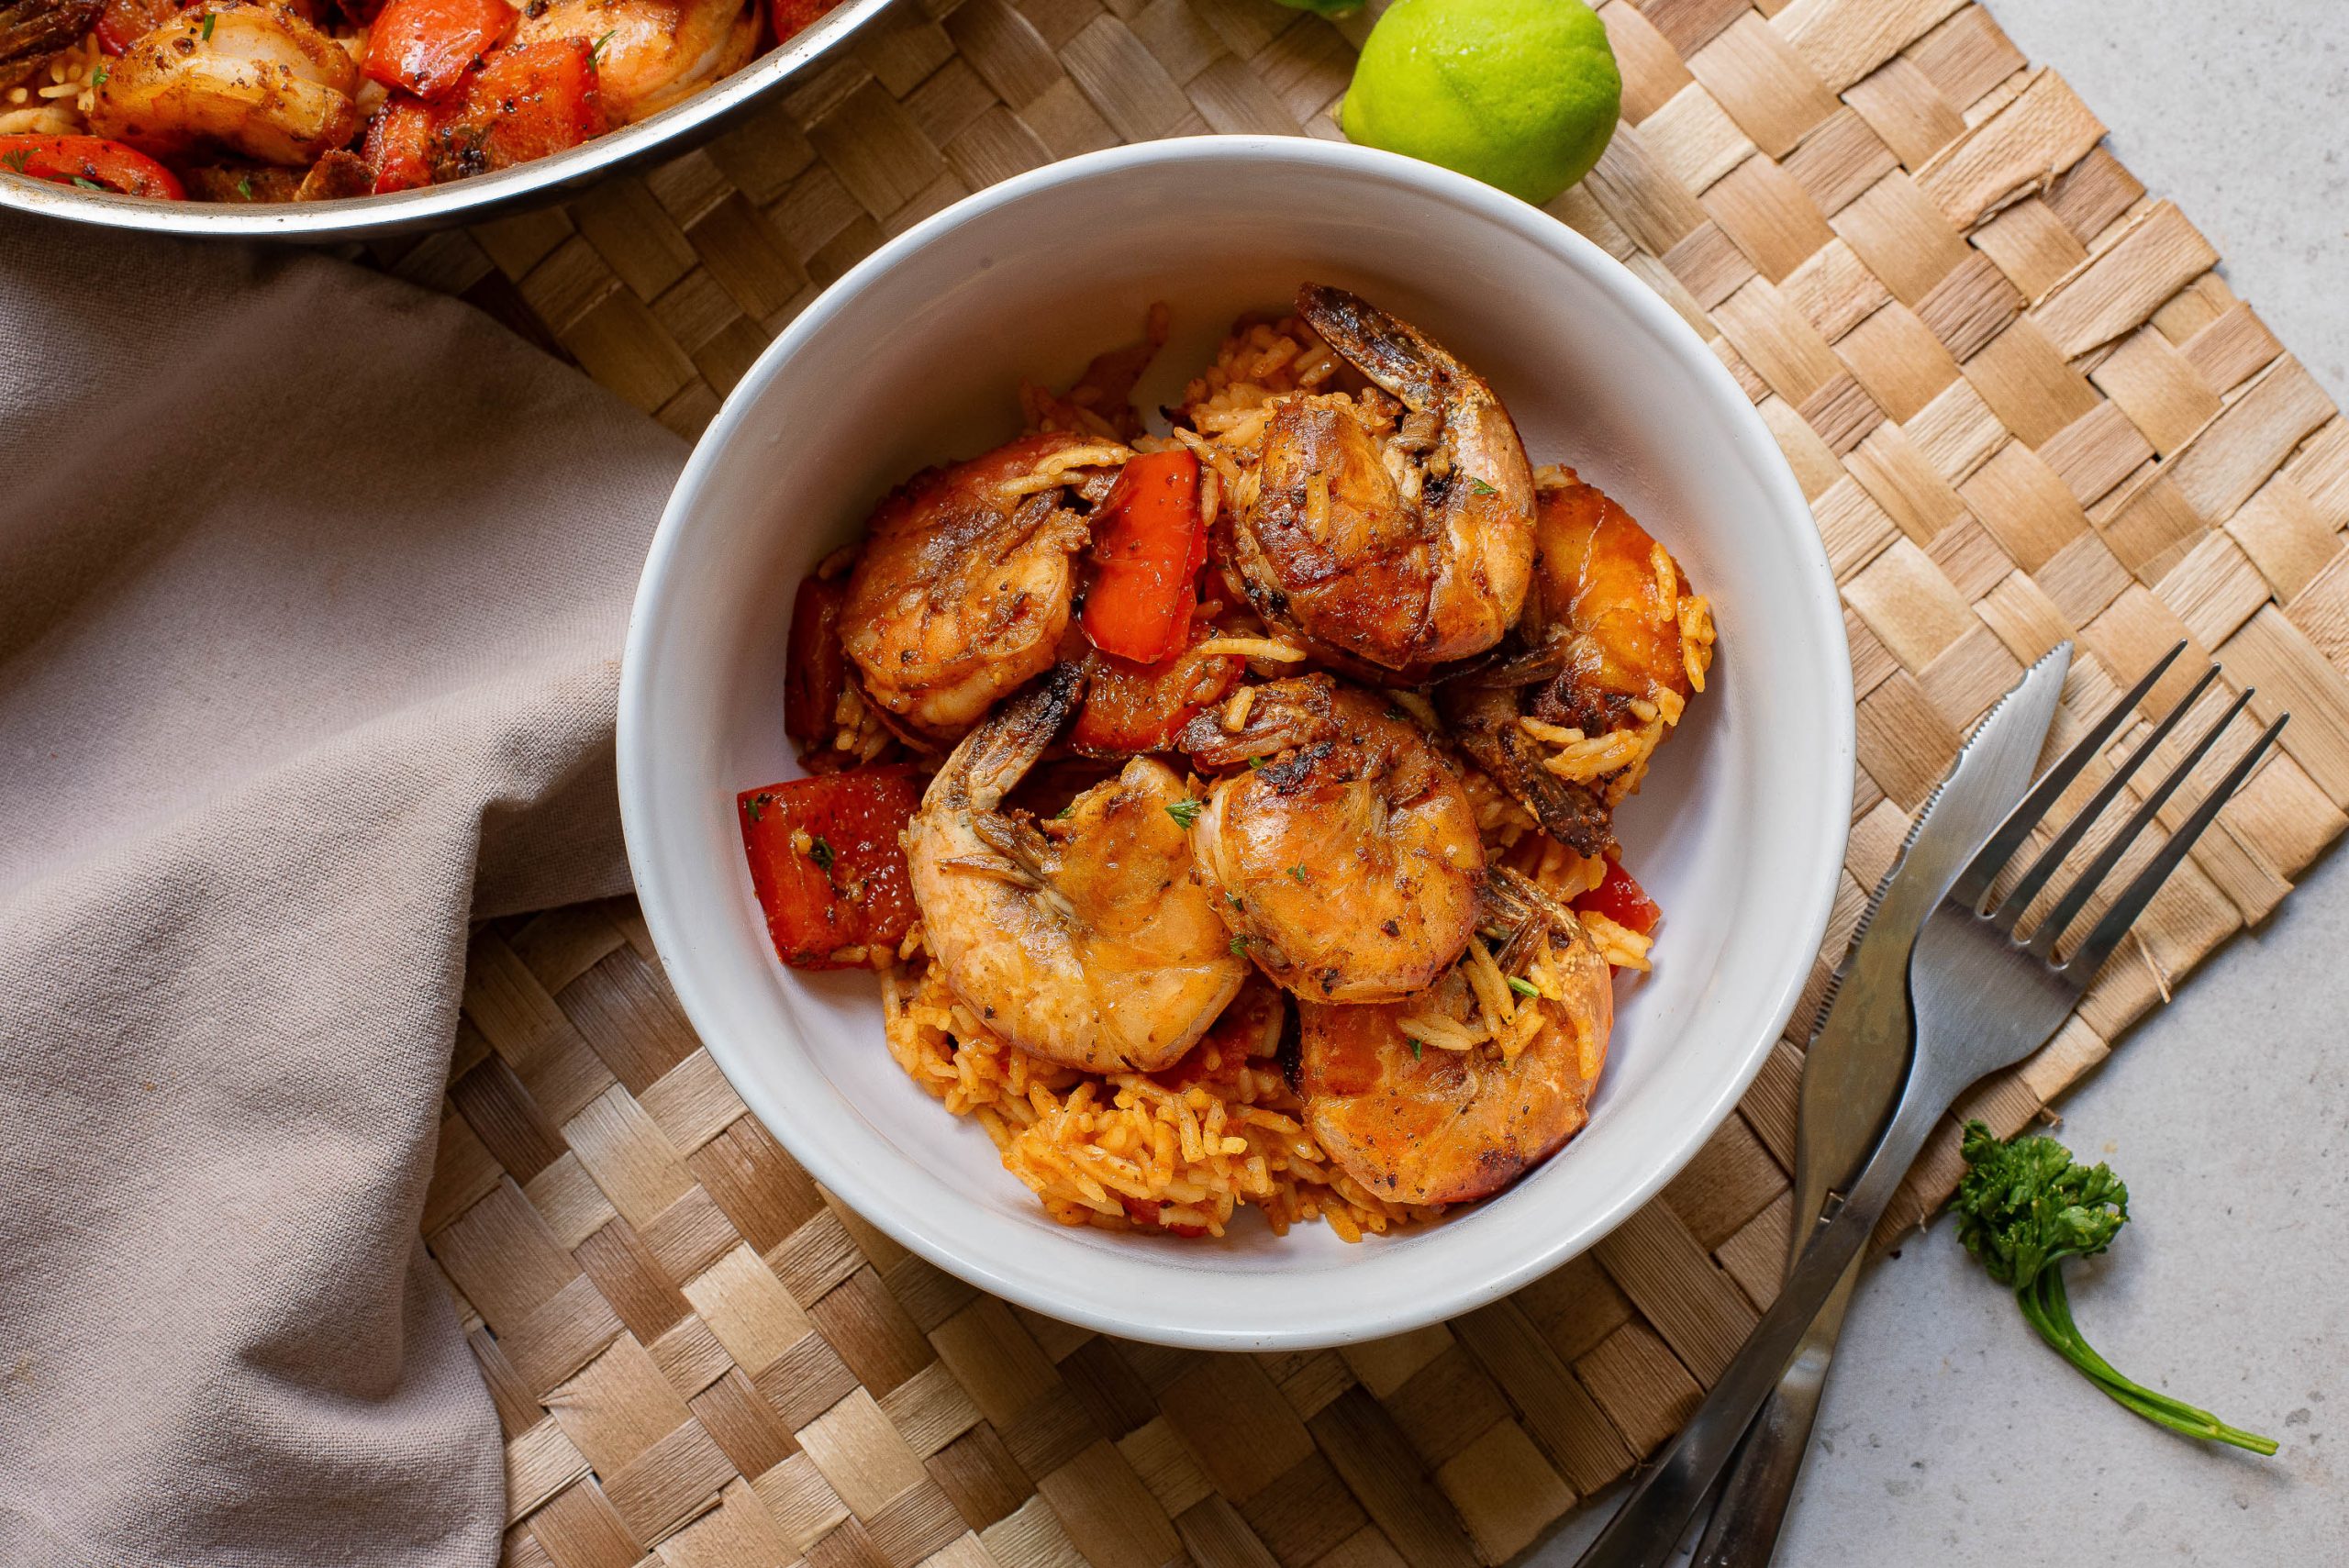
(1984, 998)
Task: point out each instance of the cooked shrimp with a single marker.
(1454, 1092)
(1082, 939)
(1348, 861)
(1614, 644)
(962, 591)
(1404, 550)
(1627, 629)
(649, 53)
(255, 79)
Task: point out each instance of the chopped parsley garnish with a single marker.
(1186, 812)
(1522, 987)
(1296, 874)
(1255, 762)
(751, 805)
(821, 853)
(1066, 812)
(87, 184)
(17, 159)
(245, 189)
(1417, 1049)
(1480, 487)
(1239, 942)
(99, 77)
(596, 55)
(209, 17)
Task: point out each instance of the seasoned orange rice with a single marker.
(1130, 1150)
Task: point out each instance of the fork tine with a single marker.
(2010, 909)
(1983, 870)
(2123, 913)
(2076, 897)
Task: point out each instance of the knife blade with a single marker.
(1852, 1071)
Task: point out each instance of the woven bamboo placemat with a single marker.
(2023, 407)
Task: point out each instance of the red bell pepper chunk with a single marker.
(427, 46)
(814, 672)
(1621, 899)
(527, 101)
(826, 865)
(89, 160)
(398, 145)
(1131, 707)
(123, 22)
(1148, 542)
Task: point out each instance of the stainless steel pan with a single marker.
(673, 130)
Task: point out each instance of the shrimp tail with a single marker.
(1285, 715)
(1519, 912)
(1544, 662)
(1484, 721)
(1568, 812)
(1510, 900)
(991, 760)
(1389, 351)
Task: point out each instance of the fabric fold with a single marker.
(312, 591)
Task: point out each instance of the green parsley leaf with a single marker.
(596, 55)
(1522, 987)
(87, 184)
(1296, 874)
(821, 853)
(1417, 1049)
(18, 159)
(99, 77)
(1186, 812)
(1066, 812)
(1238, 943)
(245, 189)
(1480, 487)
(209, 16)
(1255, 762)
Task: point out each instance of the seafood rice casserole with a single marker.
(1228, 813)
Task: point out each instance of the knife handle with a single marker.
(1743, 1530)
(1663, 1501)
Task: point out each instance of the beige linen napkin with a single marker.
(312, 589)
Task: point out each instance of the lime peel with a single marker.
(1523, 94)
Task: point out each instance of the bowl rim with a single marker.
(569, 174)
(1810, 910)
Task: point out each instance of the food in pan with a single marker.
(1228, 813)
(300, 100)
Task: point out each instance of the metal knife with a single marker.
(1852, 1071)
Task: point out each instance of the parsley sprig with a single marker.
(2023, 1208)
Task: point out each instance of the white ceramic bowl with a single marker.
(915, 357)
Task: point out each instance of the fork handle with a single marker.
(1647, 1529)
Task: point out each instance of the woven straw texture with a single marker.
(2023, 407)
